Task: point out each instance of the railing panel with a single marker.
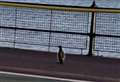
(33, 18)
(7, 16)
(108, 29)
(32, 37)
(70, 21)
(69, 40)
(107, 44)
(7, 35)
(108, 23)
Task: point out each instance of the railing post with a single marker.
(15, 28)
(49, 45)
(91, 35)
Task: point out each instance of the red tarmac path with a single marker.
(96, 69)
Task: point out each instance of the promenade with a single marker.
(96, 69)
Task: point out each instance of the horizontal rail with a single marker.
(30, 29)
(54, 31)
(58, 7)
(103, 35)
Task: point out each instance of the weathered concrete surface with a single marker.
(96, 69)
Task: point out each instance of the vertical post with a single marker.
(50, 30)
(15, 27)
(91, 35)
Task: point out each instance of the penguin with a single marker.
(60, 55)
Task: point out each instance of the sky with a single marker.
(86, 3)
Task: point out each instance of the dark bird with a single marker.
(60, 55)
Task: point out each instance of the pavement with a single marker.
(96, 69)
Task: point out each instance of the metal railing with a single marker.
(91, 29)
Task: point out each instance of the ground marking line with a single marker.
(43, 77)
